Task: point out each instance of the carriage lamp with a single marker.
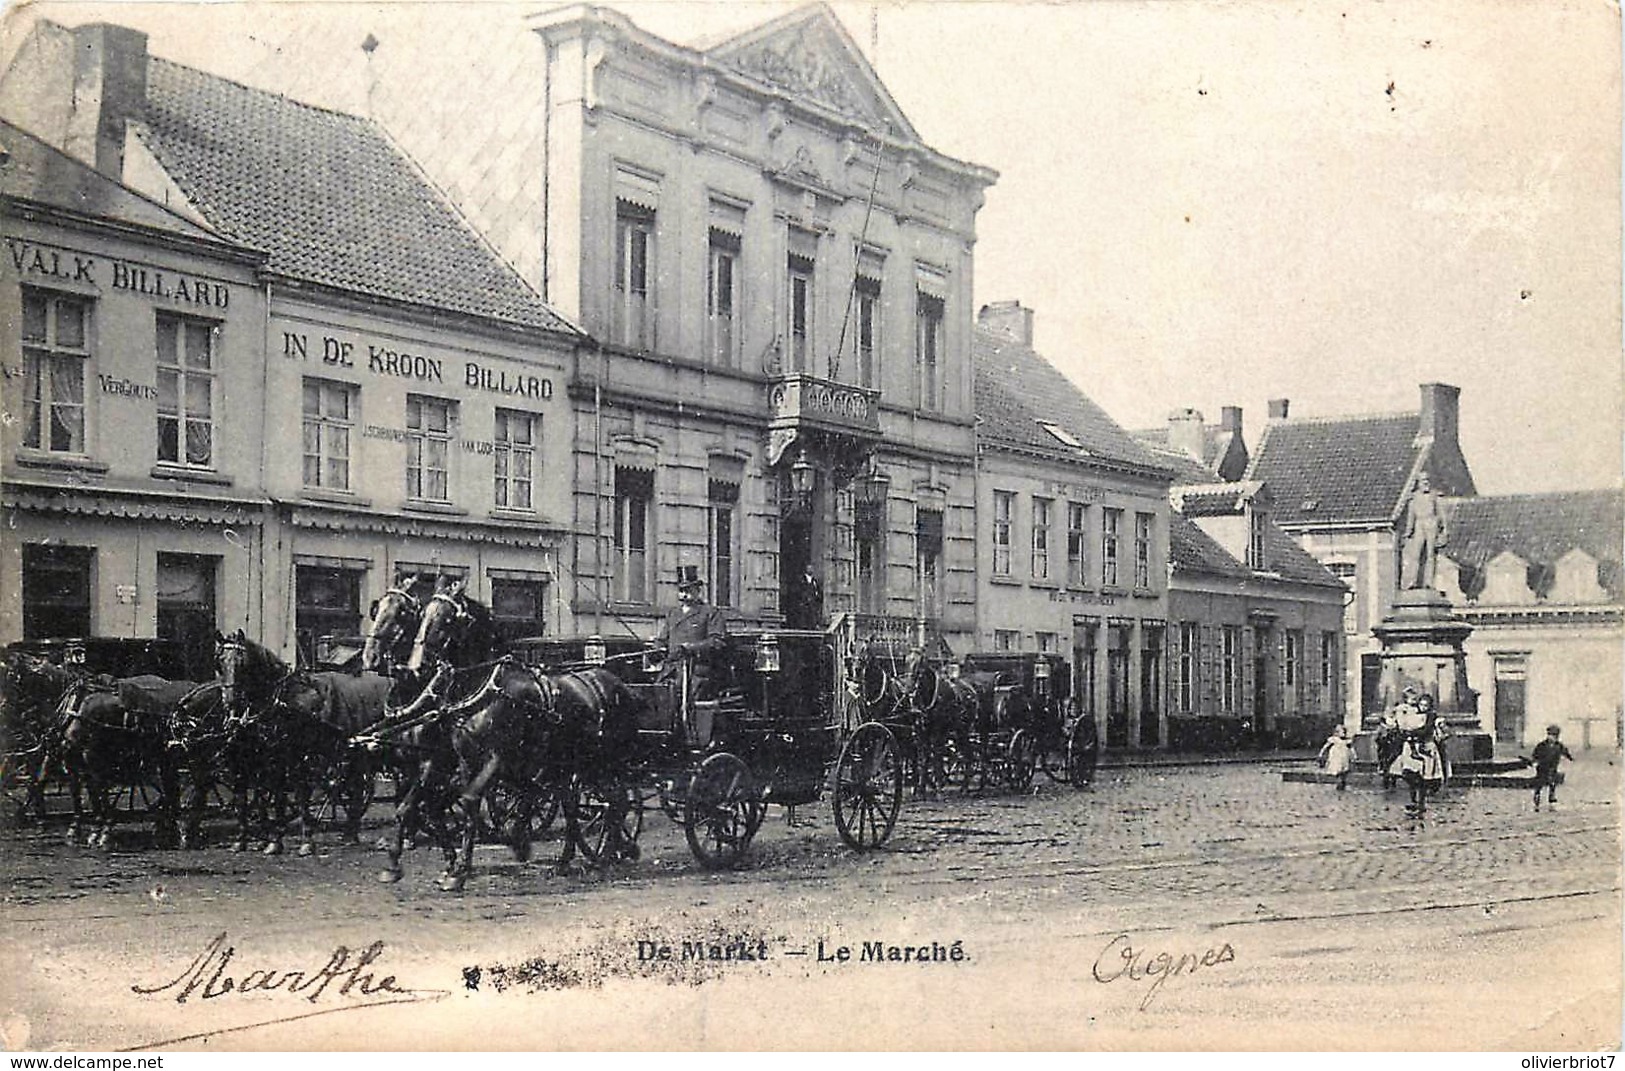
(767, 653)
(1041, 672)
(595, 653)
(803, 477)
(954, 670)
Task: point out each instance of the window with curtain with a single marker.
(928, 549)
(1077, 542)
(329, 420)
(633, 312)
(722, 540)
(722, 299)
(186, 367)
(428, 448)
(1042, 508)
(515, 461)
(634, 498)
(56, 347)
(928, 317)
(1004, 506)
(1111, 526)
(1142, 550)
(800, 305)
(868, 326)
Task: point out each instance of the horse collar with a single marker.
(411, 600)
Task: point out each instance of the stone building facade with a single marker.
(383, 389)
(778, 272)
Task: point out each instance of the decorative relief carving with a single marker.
(773, 121)
(794, 65)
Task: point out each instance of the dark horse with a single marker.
(394, 629)
(503, 724)
(115, 735)
(30, 734)
(934, 711)
(295, 729)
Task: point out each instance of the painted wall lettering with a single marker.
(172, 285)
(127, 388)
(499, 381)
(382, 359)
(30, 259)
(406, 365)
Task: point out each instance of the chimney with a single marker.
(109, 89)
(1278, 407)
(1008, 318)
(1186, 434)
(1441, 406)
(1230, 419)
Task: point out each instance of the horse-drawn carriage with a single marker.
(1022, 723)
(767, 729)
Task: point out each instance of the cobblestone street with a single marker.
(1329, 918)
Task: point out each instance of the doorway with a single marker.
(1511, 684)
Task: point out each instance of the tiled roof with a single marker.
(44, 175)
(1194, 551)
(1016, 390)
(327, 196)
(1216, 499)
(1539, 528)
(1331, 471)
(1186, 469)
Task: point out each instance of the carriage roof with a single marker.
(121, 656)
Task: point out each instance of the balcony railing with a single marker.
(798, 400)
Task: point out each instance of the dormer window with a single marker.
(1061, 435)
(1257, 531)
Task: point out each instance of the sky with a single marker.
(1205, 203)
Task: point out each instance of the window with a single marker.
(428, 448)
(633, 313)
(1111, 524)
(517, 607)
(1328, 666)
(1142, 550)
(1189, 653)
(1004, 505)
(327, 602)
(56, 344)
(1046, 642)
(1006, 639)
(928, 548)
(1061, 435)
(928, 315)
(1042, 508)
(1230, 670)
(1348, 573)
(185, 391)
(185, 598)
(722, 539)
(1077, 538)
(1292, 668)
(801, 311)
(329, 419)
(56, 591)
(634, 495)
(868, 299)
(722, 299)
(1257, 530)
(515, 462)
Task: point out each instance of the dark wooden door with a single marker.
(1509, 713)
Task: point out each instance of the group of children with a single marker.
(1422, 756)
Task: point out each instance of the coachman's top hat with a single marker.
(688, 576)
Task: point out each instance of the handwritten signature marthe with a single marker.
(211, 974)
(1121, 959)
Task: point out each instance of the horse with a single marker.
(944, 711)
(115, 733)
(299, 726)
(504, 723)
(935, 710)
(30, 690)
(455, 630)
(395, 622)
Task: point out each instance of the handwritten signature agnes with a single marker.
(1121, 959)
(212, 975)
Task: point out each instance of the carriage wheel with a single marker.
(721, 811)
(1021, 760)
(594, 809)
(868, 787)
(499, 816)
(1055, 755)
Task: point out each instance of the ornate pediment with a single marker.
(808, 54)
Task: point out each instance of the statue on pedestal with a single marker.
(1421, 537)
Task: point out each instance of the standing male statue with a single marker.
(1421, 538)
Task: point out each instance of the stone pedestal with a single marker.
(1421, 648)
